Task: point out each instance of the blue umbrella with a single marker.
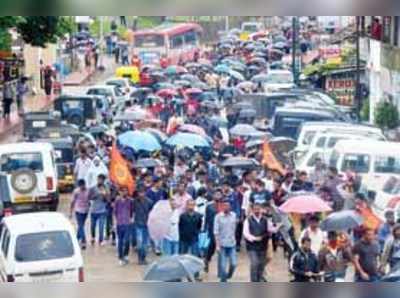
(342, 221)
(139, 141)
(187, 140)
(222, 68)
(236, 75)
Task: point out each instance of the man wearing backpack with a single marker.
(391, 251)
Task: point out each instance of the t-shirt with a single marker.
(260, 197)
(368, 256)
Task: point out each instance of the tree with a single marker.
(386, 115)
(41, 30)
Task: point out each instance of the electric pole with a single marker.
(295, 28)
(357, 93)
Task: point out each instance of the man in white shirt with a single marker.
(82, 166)
(170, 245)
(317, 236)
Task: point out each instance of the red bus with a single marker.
(175, 42)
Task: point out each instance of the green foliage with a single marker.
(40, 30)
(364, 113)
(386, 115)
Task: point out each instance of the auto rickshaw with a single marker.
(79, 110)
(130, 72)
(64, 158)
(36, 122)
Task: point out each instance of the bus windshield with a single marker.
(149, 41)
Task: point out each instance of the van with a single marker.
(308, 131)
(374, 161)
(287, 121)
(322, 146)
(31, 174)
(40, 248)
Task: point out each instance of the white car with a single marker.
(40, 248)
(111, 92)
(278, 79)
(31, 175)
(384, 194)
(125, 85)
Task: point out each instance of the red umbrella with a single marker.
(167, 93)
(304, 204)
(193, 129)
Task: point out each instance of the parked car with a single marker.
(79, 110)
(36, 122)
(39, 247)
(279, 79)
(384, 195)
(113, 93)
(125, 85)
(31, 174)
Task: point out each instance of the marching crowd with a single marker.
(190, 204)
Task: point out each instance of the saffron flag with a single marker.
(120, 173)
(371, 221)
(270, 161)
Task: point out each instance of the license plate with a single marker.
(23, 199)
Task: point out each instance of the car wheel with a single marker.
(24, 181)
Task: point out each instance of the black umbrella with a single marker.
(174, 268)
(240, 162)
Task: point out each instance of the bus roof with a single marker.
(368, 147)
(170, 29)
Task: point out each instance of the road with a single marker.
(101, 263)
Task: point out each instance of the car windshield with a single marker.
(250, 28)
(358, 163)
(43, 246)
(149, 41)
(392, 186)
(64, 155)
(279, 78)
(387, 164)
(308, 137)
(17, 161)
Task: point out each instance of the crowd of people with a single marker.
(207, 209)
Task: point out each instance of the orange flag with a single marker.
(371, 221)
(119, 171)
(270, 161)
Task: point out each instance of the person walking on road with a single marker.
(141, 209)
(365, 258)
(304, 263)
(80, 205)
(225, 239)
(190, 223)
(257, 231)
(170, 243)
(8, 98)
(123, 211)
(391, 251)
(99, 195)
(22, 90)
(82, 166)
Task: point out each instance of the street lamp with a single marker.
(295, 29)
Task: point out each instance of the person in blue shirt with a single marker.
(385, 230)
(156, 192)
(302, 183)
(260, 195)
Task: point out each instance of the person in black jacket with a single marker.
(190, 223)
(304, 263)
(302, 183)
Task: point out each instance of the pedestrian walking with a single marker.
(365, 258)
(225, 239)
(304, 263)
(257, 231)
(99, 195)
(141, 209)
(123, 211)
(391, 251)
(22, 90)
(8, 98)
(96, 168)
(80, 206)
(170, 244)
(48, 77)
(82, 166)
(314, 232)
(190, 223)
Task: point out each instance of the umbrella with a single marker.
(243, 130)
(173, 268)
(167, 93)
(189, 77)
(342, 221)
(133, 115)
(236, 75)
(247, 113)
(139, 140)
(192, 129)
(209, 104)
(164, 85)
(189, 140)
(241, 162)
(159, 215)
(254, 143)
(201, 85)
(247, 85)
(147, 163)
(208, 95)
(158, 134)
(276, 65)
(182, 83)
(279, 45)
(260, 78)
(193, 91)
(304, 203)
(222, 68)
(175, 69)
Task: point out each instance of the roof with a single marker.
(24, 147)
(170, 29)
(368, 147)
(37, 222)
(345, 125)
(304, 111)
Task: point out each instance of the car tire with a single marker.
(24, 181)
